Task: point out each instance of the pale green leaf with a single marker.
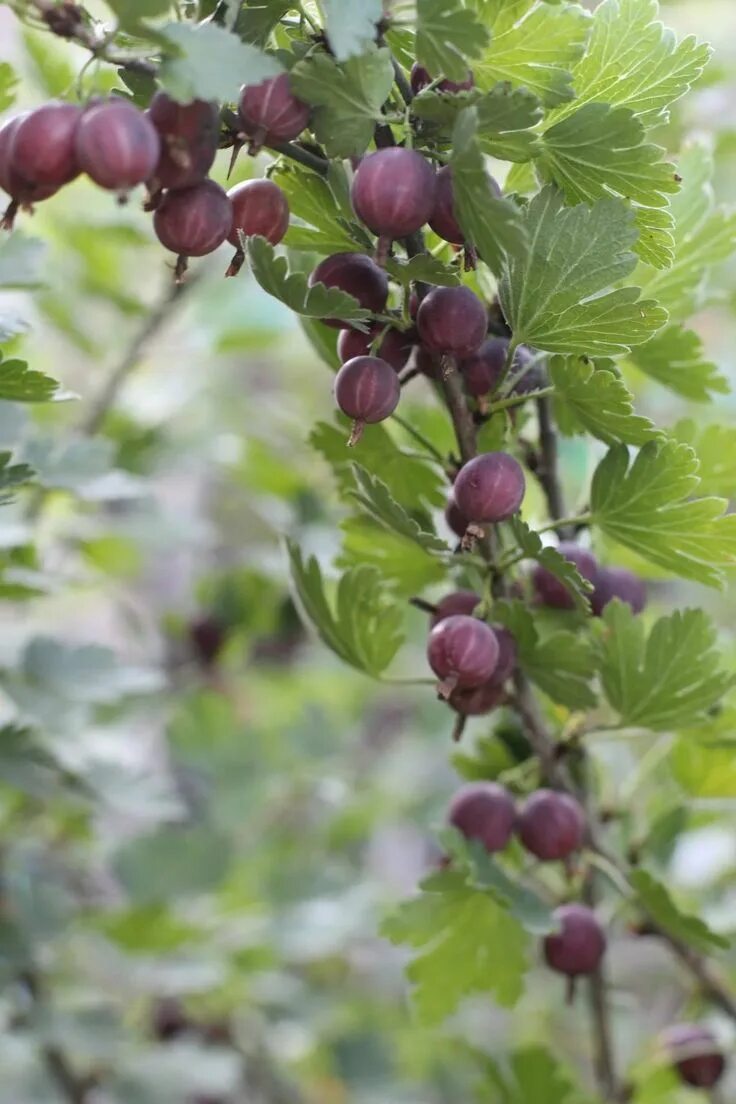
(408, 568)
(8, 83)
(311, 201)
(715, 446)
(209, 63)
(596, 401)
(531, 1075)
(375, 498)
(506, 116)
(351, 25)
(657, 902)
(447, 35)
(705, 770)
(423, 267)
(12, 476)
(19, 383)
(21, 261)
(675, 358)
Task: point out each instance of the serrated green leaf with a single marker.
(375, 498)
(715, 446)
(492, 225)
(562, 664)
(555, 295)
(19, 383)
(424, 267)
(364, 627)
(347, 98)
(596, 401)
(209, 63)
(532, 1074)
(319, 301)
(400, 562)
(648, 508)
(506, 116)
(311, 200)
(668, 678)
(351, 25)
(467, 944)
(258, 18)
(447, 34)
(657, 902)
(12, 476)
(633, 61)
(675, 358)
(530, 543)
(532, 45)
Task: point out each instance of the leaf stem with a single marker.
(420, 439)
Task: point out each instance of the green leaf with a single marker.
(423, 267)
(533, 45)
(209, 63)
(715, 446)
(674, 357)
(562, 664)
(12, 476)
(19, 383)
(532, 1075)
(555, 295)
(131, 12)
(364, 628)
(447, 35)
(347, 98)
(8, 83)
(530, 543)
(272, 273)
(668, 678)
(351, 25)
(177, 861)
(398, 559)
(505, 117)
(467, 944)
(258, 18)
(705, 770)
(596, 401)
(600, 150)
(493, 225)
(375, 498)
(633, 61)
(657, 902)
(648, 508)
(311, 201)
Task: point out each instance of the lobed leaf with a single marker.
(376, 500)
(674, 357)
(447, 34)
(657, 902)
(351, 25)
(206, 62)
(597, 401)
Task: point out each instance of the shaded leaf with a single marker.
(674, 357)
(351, 25)
(447, 35)
(656, 900)
(374, 496)
(597, 401)
(206, 62)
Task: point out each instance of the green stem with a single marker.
(573, 522)
(517, 400)
(420, 438)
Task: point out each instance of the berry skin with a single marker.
(42, 145)
(459, 601)
(454, 517)
(486, 812)
(489, 488)
(695, 1054)
(549, 590)
(117, 145)
(357, 275)
(22, 192)
(189, 135)
(476, 703)
(617, 582)
(395, 347)
(578, 947)
(270, 112)
(507, 656)
(367, 389)
(482, 372)
(259, 207)
(420, 78)
(443, 220)
(452, 321)
(194, 221)
(463, 653)
(393, 192)
(551, 825)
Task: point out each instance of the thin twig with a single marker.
(303, 156)
(547, 472)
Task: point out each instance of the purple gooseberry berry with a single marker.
(194, 221)
(420, 79)
(478, 701)
(489, 488)
(551, 825)
(189, 135)
(259, 207)
(484, 811)
(22, 192)
(482, 372)
(270, 112)
(395, 346)
(117, 145)
(444, 220)
(393, 193)
(463, 652)
(452, 321)
(695, 1053)
(42, 149)
(454, 517)
(548, 588)
(367, 389)
(507, 656)
(617, 582)
(578, 947)
(356, 274)
(459, 601)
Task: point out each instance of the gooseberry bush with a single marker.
(493, 223)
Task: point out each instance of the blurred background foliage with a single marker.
(203, 815)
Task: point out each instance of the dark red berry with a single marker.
(42, 150)
(551, 825)
(420, 78)
(22, 192)
(460, 601)
(117, 145)
(270, 112)
(479, 701)
(695, 1053)
(395, 346)
(534, 376)
(463, 652)
(454, 517)
(617, 582)
(393, 192)
(413, 306)
(489, 488)
(507, 656)
(207, 636)
(578, 947)
(548, 588)
(367, 389)
(259, 207)
(443, 220)
(194, 221)
(486, 812)
(189, 136)
(427, 363)
(482, 372)
(357, 275)
(452, 321)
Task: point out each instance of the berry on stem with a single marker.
(22, 193)
(258, 207)
(455, 518)
(393, 193)
(478, 701)
(578, 947)
(395, 346)
(189, 135)
(484, 811)
(508, 656)
(117, 145)
(420, 79)
(489, 488)
(551, 825)
(444, 220)
(695, 1053)
(452, 321)
(356, 274)
(367, 389)
(42, 148)
(463, 652)
(194, 221)
(459, 601)
(617, 582)
(483, 372)
(271, 113)
(548, 588)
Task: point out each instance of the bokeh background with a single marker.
(209, 932)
